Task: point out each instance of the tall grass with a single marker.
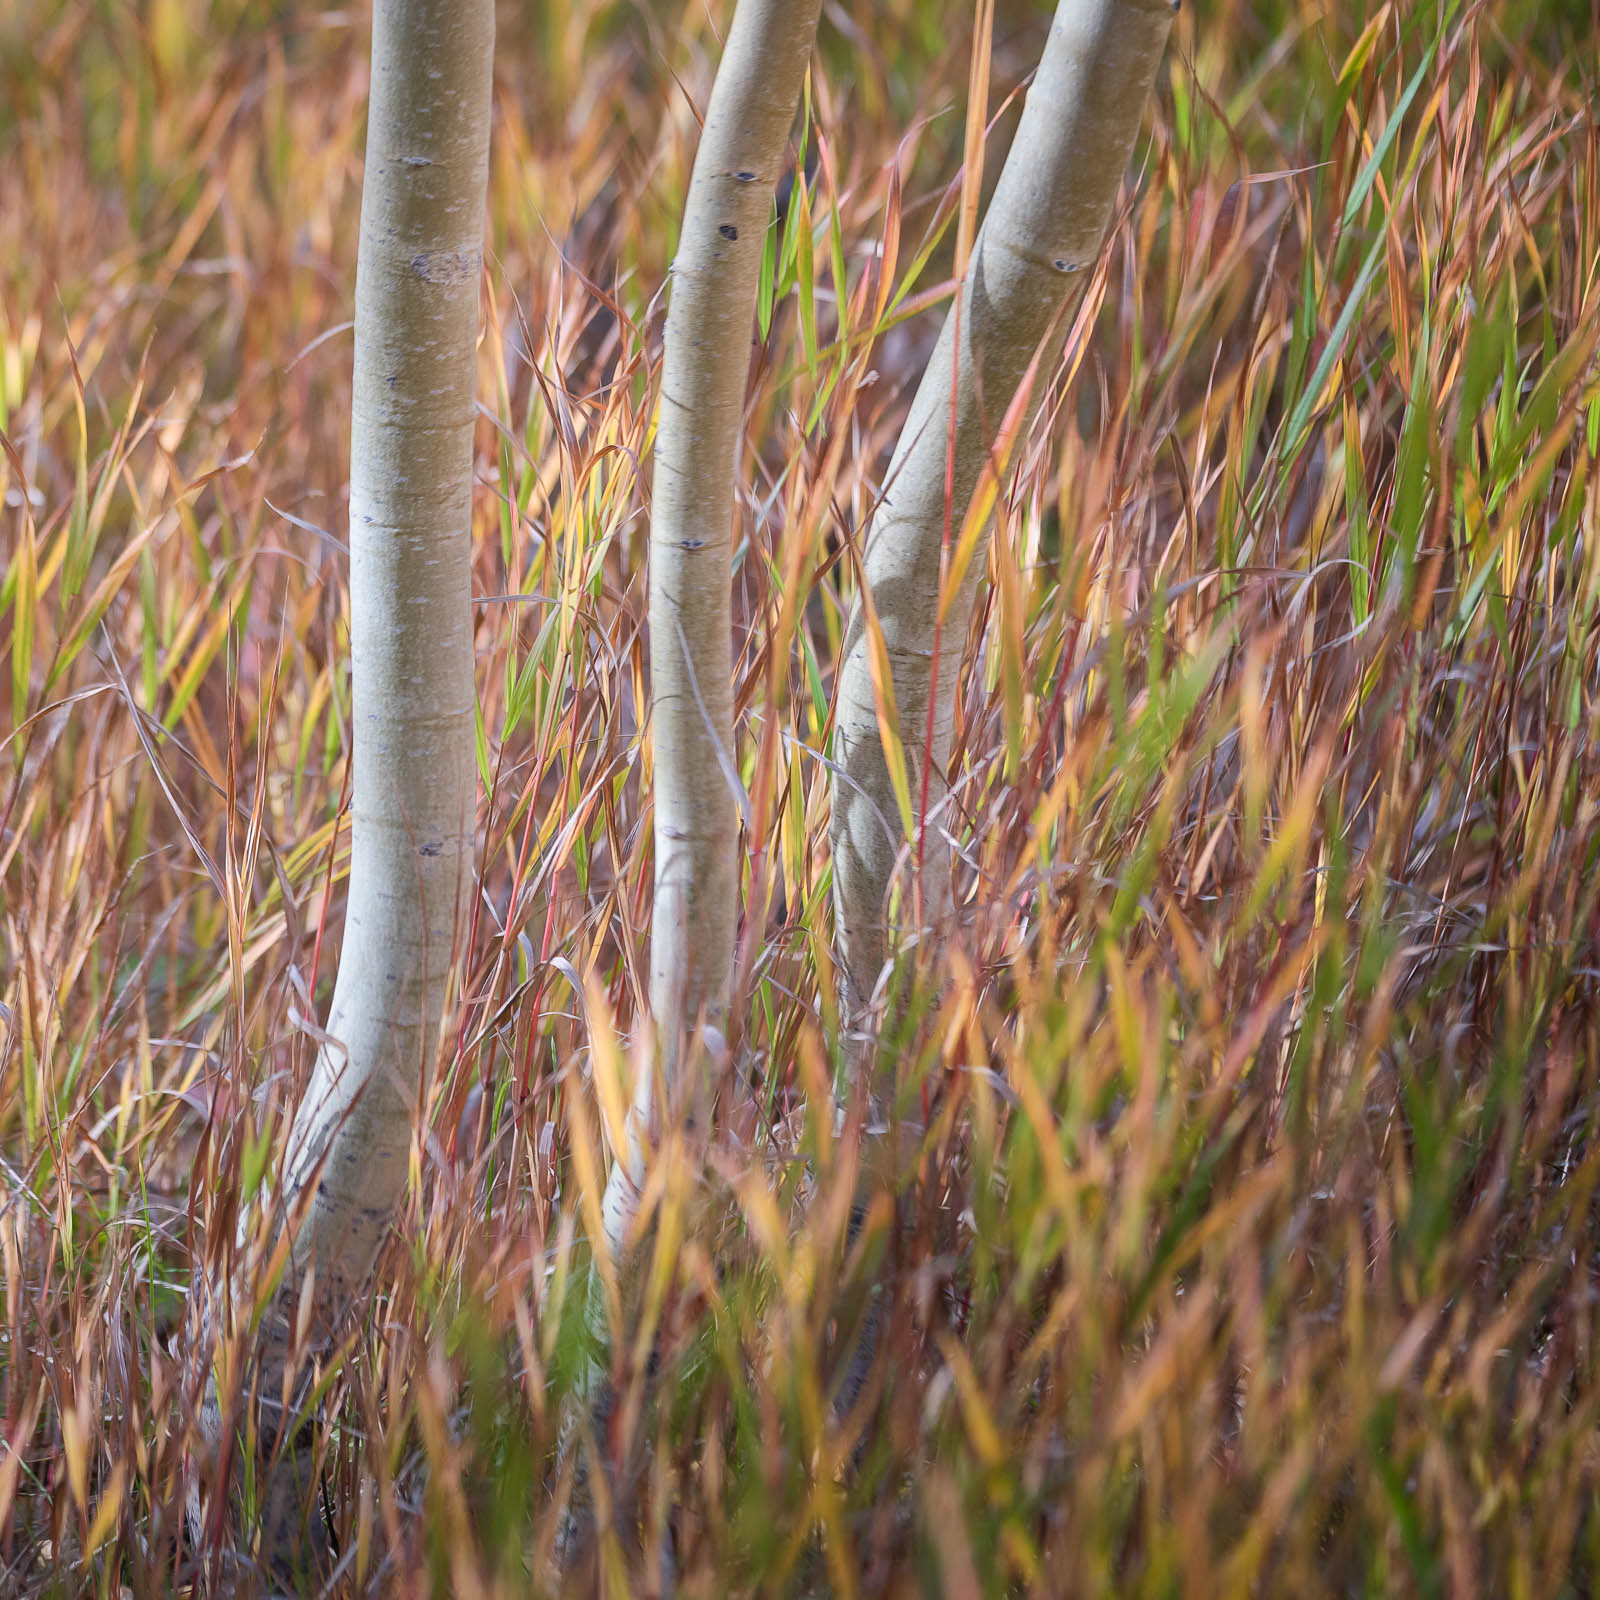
(1243, 1236)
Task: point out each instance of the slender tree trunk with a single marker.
(411, 434)
(1029, 267)
(411, 449)
(704, 373)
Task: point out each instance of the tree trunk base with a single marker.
(293, 1547)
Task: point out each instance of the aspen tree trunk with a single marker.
(1029, 267)
(704, 373)
(412, 418)
(411, 448)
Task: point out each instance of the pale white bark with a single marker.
(704, 373)
(1028, 270)
(411, 443)
(411, 453)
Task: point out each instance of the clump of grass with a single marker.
(1241, 1234)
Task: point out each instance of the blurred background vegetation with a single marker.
(1243, 1233)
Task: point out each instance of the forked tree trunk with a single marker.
(704, 373)
(1028, 270)
(411, 450)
